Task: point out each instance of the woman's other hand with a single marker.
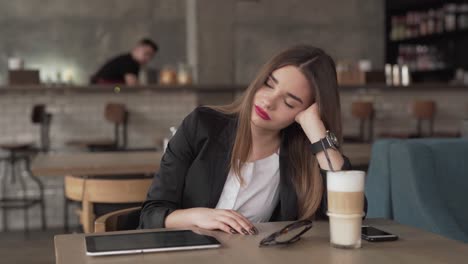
(228, 221)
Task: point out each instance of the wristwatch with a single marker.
(329, 141)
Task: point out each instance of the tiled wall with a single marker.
(80, 116)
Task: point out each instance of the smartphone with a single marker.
(373, 234)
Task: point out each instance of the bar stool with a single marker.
(424, 112)
(364, 112)
(40, 116)
(18, 153)
(116, 114)
(21, 153)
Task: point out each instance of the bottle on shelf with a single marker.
(439, 21)
(421, 57)
(462, 17)
(450, 18)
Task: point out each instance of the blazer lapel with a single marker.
(219, 167)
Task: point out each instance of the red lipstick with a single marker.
(262, 113)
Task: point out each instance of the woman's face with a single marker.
(285, 94)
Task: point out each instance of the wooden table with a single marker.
(103, 164)
(358, 153)
(414, 246)
(96, 163)
(136, 162)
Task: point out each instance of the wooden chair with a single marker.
(90, 191)
(364, 112)
(116, 114)
(125, 219)
(424, 112)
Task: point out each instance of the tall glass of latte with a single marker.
(345, 192)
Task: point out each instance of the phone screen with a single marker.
(372, 231)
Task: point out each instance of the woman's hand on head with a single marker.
(311, 123)
(228, 221)
(310, 113)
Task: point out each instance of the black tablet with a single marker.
(102, 245)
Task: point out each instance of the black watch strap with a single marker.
(318, 147)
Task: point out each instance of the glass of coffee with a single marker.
(345, 192)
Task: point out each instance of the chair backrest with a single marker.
(125, 219)
(106, 190)
(115, 113)
(38, 113)
(118, 115)
(40, 116)
(422, 183)
(364, 111)
(424, 110)
(90, 191)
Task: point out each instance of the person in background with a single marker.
(124, 68)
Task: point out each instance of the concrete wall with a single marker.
(78, 36)
(235, 37)
(347, 30)
(351, 30)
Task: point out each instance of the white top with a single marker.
(258, 197)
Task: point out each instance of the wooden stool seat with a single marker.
(400, 135)
(16, 146)
(91, 142)
(446, 134)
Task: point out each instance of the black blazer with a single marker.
(195, 166)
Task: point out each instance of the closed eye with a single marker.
(268, 83)
(288, 105)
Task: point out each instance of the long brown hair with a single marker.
(319, 69)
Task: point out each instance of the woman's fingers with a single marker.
(228, 221)
(232, 222)
(241, 216)
(224, 227)
(244, 222)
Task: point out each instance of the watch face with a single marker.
(332, 139)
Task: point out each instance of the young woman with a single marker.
(262, 158)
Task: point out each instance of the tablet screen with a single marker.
(151, 240)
